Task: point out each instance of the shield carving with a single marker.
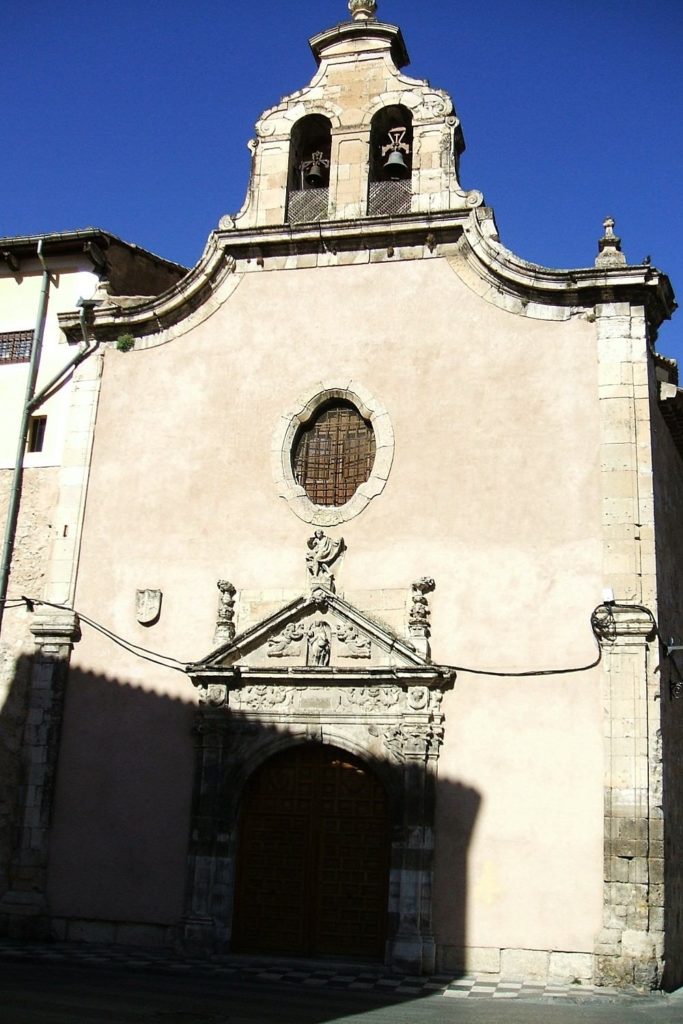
(147, 606)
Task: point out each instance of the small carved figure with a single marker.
(265, 697)
(352, 644)
(374, 698)
(288, 643)
(319, 644)
(215, 695)
(322, 553)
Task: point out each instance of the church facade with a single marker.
(402, 511)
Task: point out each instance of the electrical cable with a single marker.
(603, 627)
(165, 660)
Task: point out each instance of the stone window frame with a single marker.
(298, 415)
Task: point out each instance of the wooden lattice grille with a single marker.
(333, 454)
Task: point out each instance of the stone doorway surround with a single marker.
(322, 671)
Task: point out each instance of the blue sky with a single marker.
(134, 115)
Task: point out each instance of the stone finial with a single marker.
(419, 615)
(418, 620)
(225, 617)
(362, 10)
(610, 254)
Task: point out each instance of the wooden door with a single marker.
(313, 861)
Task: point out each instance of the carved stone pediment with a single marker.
(316, 634)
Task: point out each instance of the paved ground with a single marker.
(82, 985)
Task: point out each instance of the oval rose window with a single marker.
(333, 453)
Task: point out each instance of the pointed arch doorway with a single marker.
(313, 857)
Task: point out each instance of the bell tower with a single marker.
(361, 140)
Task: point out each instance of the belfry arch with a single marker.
(308, 177)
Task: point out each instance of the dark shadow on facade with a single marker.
(12, 724)
(130, 808)
(665, 850)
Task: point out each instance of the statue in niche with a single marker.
(319, 648)
(323, 551)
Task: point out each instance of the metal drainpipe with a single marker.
(15, 491)
(87, 350)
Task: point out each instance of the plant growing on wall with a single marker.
(125, 342)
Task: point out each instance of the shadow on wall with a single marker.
(12, 723)
(136, 853)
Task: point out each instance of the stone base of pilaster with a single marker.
(629, 958)
(412, 954)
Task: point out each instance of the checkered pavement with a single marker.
(307, 974)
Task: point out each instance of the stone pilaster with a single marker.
(24, 910)
(413, 948)
(629, 948)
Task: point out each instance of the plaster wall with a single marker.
(494, 492)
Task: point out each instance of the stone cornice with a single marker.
(153, 314)
(431, 676)
(58, 628)
(498, 270)
(468, 239)
(358, 30)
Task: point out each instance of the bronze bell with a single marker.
(395, 167)
(315, 175)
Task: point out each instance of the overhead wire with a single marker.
(165, 660)
(603, 628)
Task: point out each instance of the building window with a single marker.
(36, 433)
(15, 346)
(333, 454)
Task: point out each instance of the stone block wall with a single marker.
(29, 567)
(630, 947)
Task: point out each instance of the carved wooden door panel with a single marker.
(313, 863)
